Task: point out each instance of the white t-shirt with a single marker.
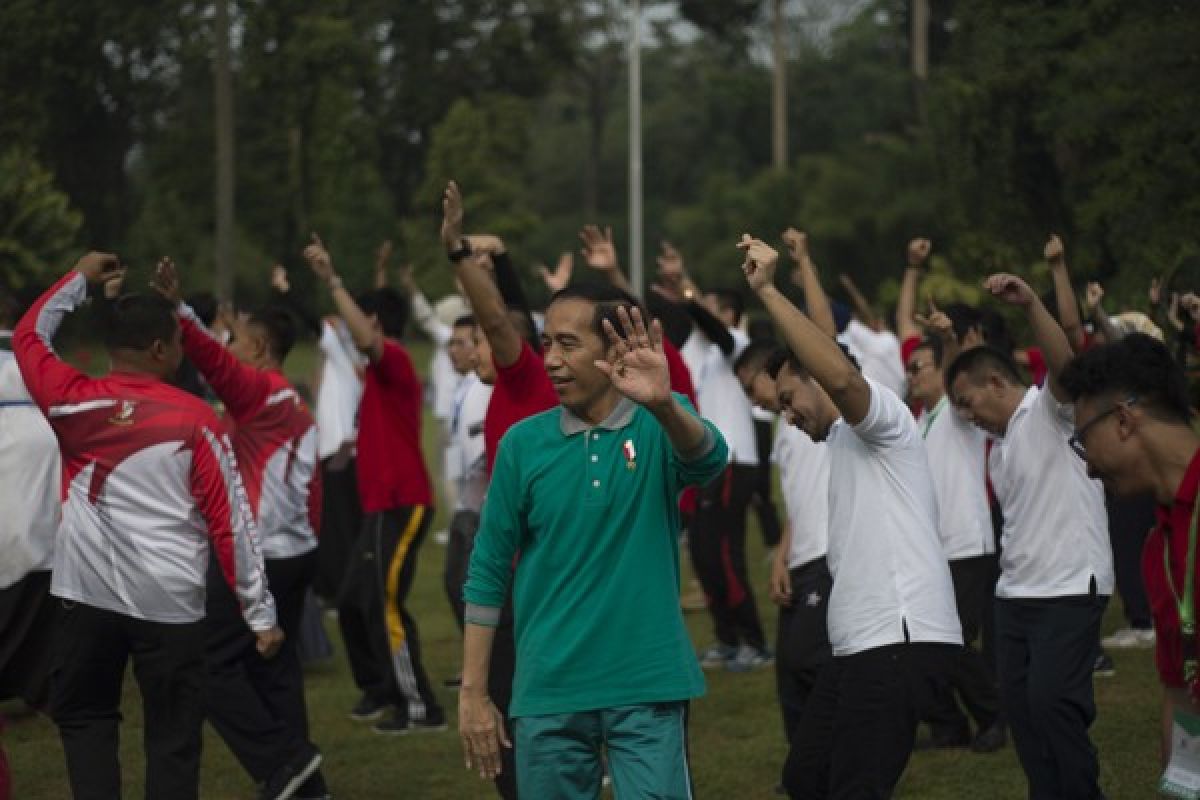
(1055, 529)
(889, 572)
(466, 460)
(878, 352)
(340, 391)
(804, 478)
(958, 460)
(720, 395)
(30, 478)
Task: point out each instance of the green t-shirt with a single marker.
(591, 518)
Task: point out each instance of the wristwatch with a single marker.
(464, 250)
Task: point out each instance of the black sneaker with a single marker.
(401, 725)
(367, 709)
(1104, 666)
(292, 775)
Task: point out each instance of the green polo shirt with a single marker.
(591, 515)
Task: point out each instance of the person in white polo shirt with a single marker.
(891, 611)
(1056, 570)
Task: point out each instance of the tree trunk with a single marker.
(223, 85)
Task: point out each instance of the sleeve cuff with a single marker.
(701, 450)
(488, 616)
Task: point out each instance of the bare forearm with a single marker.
(820, 355)
(1052, 340)
(490, 312)
(819, 309)
(686, 432)
(1068, 307)
(859, 300)
(477, 655)
(906, 305)
(362, 331)
(1104, 322)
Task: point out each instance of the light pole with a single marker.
(635, 147)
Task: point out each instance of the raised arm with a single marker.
(486, 301)
(1056, 350)
(560, 277)
(504, 273)
(1064, 295)
(805, 274)
(906, 306)
(367, 337)
(383, 254)
(422, 311)
(1094, 300)
(49, 379)
(284, 297)
(242, 388)
(816, 350)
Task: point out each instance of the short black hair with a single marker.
(934, 345)
(1137, 365)
(465, 321)
(964, 318)
(280, 328)
(977, 360)
(606, 299)
(995, 331)
(755, 356)
(784, 355)
(137, 321)
(760, 329)
(389, 307)
(730, 300)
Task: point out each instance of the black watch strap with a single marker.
(464, 250)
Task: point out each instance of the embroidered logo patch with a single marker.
(630, 455)
(125, 415)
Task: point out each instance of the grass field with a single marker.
(736, 738)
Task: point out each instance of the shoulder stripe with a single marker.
(78, 408)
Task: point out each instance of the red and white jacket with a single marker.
(149, 484)
(274, 440)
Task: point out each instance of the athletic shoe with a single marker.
(284, 782)
(1129, 639)
(716, 656)
(749, 658)
(367, 709)
(990, 739)
(1104, 666)
(402, 725)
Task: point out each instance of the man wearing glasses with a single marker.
(1056, 563)
(1136, 436)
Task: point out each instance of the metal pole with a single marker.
(778, 90)
(223, 86)
(635, 147)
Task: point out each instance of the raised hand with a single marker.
(1156, 287)
(670, 264)
(404, 274)
(936, 322)
(1093, 295)
(486, 243)
(760, 263)
(560, 278)
(452, 216)
(635, 362)
(166, 281)
(99, 267)
(598, 250)
(1054, 252)
(1010, 289)
(918, 252)
(797, 244)
(113, 286)
(1191, 304)
(279, 279)
(318, 259)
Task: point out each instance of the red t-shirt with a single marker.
(1173, 524)
(391, 469)
(681, 376)
(521, 390)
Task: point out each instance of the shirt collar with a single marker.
(620, 416)
(1185, 495)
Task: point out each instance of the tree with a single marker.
(38, 228)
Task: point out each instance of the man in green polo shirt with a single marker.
(584, 498)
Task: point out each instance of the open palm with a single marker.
(635, 363)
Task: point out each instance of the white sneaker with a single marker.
(1130, 639)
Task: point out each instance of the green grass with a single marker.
(736, 737)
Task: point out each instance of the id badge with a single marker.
(1182, 776)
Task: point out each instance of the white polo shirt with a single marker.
(720, 395)
(1055, 529)
(889, 573)
(340, 391)
(804, 478)
(958, 460)
(879, 354)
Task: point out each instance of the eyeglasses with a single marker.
(1076, 441)
(915, 367)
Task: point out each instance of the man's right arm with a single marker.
(242, 388)
(906, 305)
(47, 377)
